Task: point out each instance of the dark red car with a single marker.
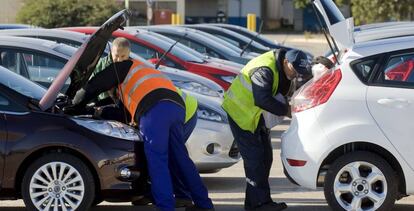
(151, 48)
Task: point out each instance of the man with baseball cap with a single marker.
(253, 92)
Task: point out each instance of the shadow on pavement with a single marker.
(311, 205)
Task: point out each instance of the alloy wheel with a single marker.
(360, 186)
(57, 186)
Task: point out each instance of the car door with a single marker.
(391, 101)
(34, 65)
(4, 107)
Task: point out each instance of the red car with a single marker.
(151, 48)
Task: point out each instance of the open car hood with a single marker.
(81, 65)
(341, 29)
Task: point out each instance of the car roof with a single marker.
(199, 36)
(384, 45)
(39, 32)
(33, 43)
(228, 32)
(399, 30)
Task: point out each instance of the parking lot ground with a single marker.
(226, 188)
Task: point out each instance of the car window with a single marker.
(399, 69)
(143, 51)
(8, 105)
(35, 66)
(233, 42)
(41, 68)
(363, 68)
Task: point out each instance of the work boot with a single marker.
(182, 202)
(195, 208)
(271, 206)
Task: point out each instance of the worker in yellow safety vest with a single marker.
(256, 90)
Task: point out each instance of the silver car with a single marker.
(211, 145)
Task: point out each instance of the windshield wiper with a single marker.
(168, 51)
(248, 44)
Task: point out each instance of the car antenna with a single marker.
(248, 44)
(326, 34)
(169, 49)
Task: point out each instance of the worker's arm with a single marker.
(262, 83)
(103, 81)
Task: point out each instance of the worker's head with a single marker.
(120, 49)
(295, 63)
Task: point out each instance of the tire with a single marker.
(374, 184)
(74, 187)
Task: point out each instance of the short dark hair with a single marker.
(121, 42)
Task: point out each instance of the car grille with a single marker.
(234, 151)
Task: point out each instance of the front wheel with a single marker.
(361, 181)
(58, 181)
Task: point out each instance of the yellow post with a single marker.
(178, 21)
(253, 21)
(248, 21)
(173, 19)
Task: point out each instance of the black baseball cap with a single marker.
(299, 60)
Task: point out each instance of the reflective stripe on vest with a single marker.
(191, 104)
(238, 100)
(139, 82)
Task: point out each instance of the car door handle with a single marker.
(394, 102)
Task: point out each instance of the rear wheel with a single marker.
(58, 181)
(361, 181)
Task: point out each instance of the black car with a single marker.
(234, 38)
(59, 162)
(204, 43)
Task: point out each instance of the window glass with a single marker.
(364, 68)
(41, 68)
(142, 51)
(399, 69)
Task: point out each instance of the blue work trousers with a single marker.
(162, 130)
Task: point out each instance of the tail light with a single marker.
(316, 92)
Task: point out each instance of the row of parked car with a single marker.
(60, 162)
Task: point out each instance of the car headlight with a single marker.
(228, 79)
(197, 88)
(109, 128)
(203, 112)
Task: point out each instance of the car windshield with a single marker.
(166, 45)
(178, 45)
(21, 84)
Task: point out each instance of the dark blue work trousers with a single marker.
(256, 151)
(162, 130)
(180, 191)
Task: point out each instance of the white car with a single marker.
(351, 129)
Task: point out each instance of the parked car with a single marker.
(232, 37)
(15, 26)
(204, 43)
(187, 81)
(351, 127)
(41, 61)
(59, 162)
(151, 48)
(250, 34)
(202, 56)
